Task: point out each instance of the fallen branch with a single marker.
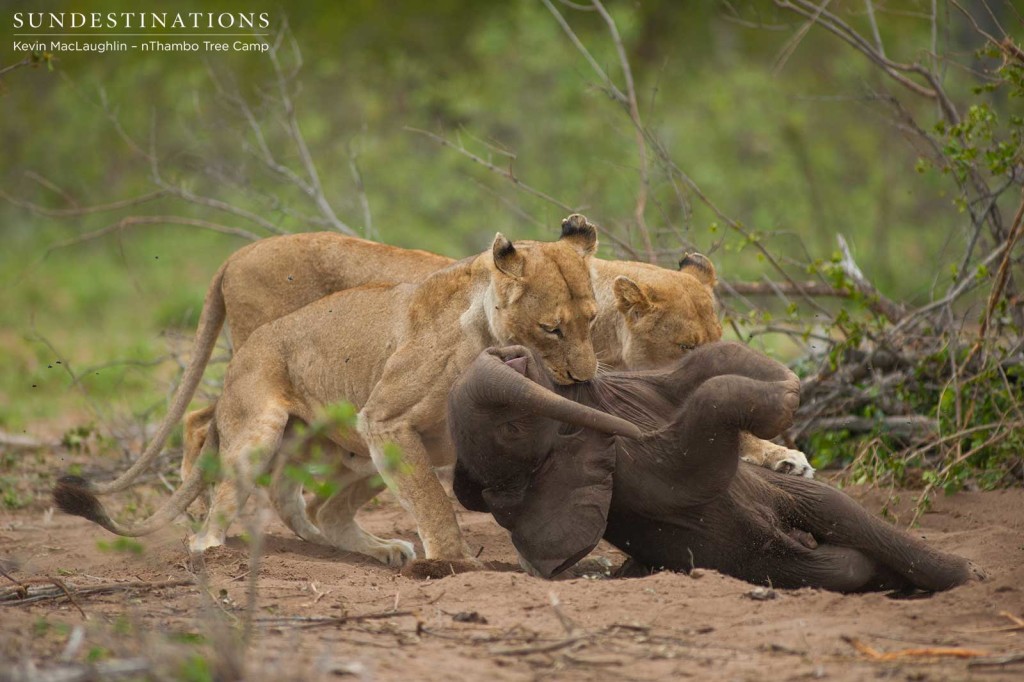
(317, 621)
(101, 670)
(30, 591)
(18, 442)
(875, 301)
(922, 652)
(1005, 659)
(819, 289)
(540, 648)
(907, 426)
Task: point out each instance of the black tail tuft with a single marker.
(73, 495)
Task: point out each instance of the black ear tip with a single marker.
(503, 246)
(696, 260)
(577, 224)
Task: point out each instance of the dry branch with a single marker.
(317, 621)
(80, 672)
(30, 591)
(922, 652)
(912, 426)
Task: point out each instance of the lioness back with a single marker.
(275, 276)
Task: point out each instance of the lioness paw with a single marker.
(783, 460)
(792, 462)
(393, 553)
(203, 541)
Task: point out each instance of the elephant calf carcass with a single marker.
(649, 461)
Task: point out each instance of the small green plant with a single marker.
(195, 668)
(11, 498)
(124, 545)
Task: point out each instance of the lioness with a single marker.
(648, 316)
(394, 351)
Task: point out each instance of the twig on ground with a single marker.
(35, 592)
(320, 621)
(81, 672)
(922, 652)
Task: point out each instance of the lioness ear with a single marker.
(698, 265)
(579, 232)
(506, 258)
(630, 298)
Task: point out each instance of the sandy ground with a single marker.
(320, 614)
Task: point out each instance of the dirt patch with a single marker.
(320, 613)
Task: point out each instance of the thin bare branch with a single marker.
(606, 82)
(870, 7)
(83, 210)
(640, 208)
(295, 131)
(507, 174)
(364, 201)
(132, 221)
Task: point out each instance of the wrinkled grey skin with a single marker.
(672, 494)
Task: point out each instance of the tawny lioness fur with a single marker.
(393, 351)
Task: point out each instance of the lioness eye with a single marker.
(552, 330)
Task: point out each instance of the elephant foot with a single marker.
(977, 572)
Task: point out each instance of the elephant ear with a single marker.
(562, 514)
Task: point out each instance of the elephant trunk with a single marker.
(505, 384)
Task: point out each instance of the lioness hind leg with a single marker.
(197, 426)
(197, 431)
(336, 520)
(245, 454)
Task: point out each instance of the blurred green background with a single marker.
(788, 133)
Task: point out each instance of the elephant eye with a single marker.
(686, 347)
(552, 329)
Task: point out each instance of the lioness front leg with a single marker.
(764, 453)
(416, 486)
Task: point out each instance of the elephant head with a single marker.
(548, 485)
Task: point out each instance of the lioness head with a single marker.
(543, 298)
(669, 313)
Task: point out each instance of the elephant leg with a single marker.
(705, 437)
(836, 519)
(722, 359)
(829, 567)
